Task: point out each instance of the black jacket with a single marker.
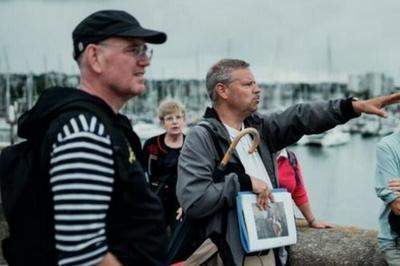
(135, 224)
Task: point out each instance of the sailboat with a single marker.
(375, 126)
(333, 137)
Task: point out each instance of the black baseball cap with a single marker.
(111, 23)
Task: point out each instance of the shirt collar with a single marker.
(283, 153)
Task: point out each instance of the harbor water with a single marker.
(340, 181)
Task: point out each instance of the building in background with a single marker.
(371, 84)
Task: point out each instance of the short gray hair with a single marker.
(221, 72)
(169, 106)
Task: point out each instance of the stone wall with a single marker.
(337, 246)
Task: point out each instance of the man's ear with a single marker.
(221, 90)
(93, 57)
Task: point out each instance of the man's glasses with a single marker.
(139, 51)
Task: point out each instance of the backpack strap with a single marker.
(214, 138)
(293, 163)
(219, 240)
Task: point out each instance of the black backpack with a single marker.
(26, 196)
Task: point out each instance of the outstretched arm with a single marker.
(374, 106)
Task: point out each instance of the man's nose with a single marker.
(144, 61)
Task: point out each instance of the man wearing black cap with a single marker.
(102, 211)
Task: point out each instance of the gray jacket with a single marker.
(200, 197)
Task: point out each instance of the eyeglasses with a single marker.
(139, 51)
(171, 118)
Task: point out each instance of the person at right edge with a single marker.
(235, 97)
(99, 214)
(387, 188)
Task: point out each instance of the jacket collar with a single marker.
(217, 126)
(211, 113)
(211, 116)
(251, 121)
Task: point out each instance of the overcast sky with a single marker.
(283, 40)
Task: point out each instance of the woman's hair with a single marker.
(169, 106)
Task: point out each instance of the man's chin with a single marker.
(139, 90)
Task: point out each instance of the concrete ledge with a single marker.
(337, 246)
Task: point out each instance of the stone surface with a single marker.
(335, 246)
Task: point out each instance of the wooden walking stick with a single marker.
(235, 141)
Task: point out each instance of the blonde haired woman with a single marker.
(161, 157)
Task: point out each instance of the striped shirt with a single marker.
(81, 179)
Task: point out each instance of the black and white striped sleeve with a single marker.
(81, 179)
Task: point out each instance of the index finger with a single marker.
(263, 200)
(260, 203)
(394, 184)
(376, 111)
(271, 197)
(393, 98)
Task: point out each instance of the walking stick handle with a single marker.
(250, 130)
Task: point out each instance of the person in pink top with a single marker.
(290, 177)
